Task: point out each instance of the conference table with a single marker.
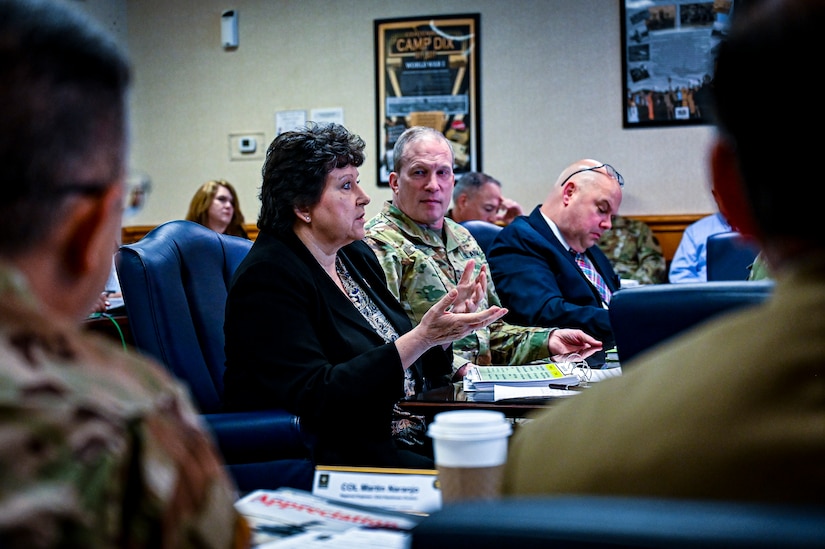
(453, 397)
(115, 327)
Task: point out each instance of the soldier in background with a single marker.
(634, 251)
(478, 195)
(759, 269)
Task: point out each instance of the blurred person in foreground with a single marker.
(634, 251)
(100, 448)
(546, 266)
(422, 254)
(215, 205)
(734, 409)
(478, 196)
(310, 324)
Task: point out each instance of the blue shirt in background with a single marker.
(690, 260)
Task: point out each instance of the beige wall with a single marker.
(551, 92)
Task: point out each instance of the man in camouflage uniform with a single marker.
(634, 251)
(424, 254)
(477, 195)
(100, 448)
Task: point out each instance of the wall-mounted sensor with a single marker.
(247, 144)
(229, 29)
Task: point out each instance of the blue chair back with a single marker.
(620, 522)
(178, 278)
(729, 255)
(175, 282)
(644, 316)
(483, 231)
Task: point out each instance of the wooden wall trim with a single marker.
(133, 233)
(667, 228)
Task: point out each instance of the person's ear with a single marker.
(91, 227)
(567, 191)
(302, 214)
(728, 189)
(393, 182)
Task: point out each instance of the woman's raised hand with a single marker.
(471, 289)
(444, 323)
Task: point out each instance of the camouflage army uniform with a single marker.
(634, 251)
(421, 269)
(99, 448)
(758, 270)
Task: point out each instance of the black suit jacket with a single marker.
(295, 341)
(540, 283)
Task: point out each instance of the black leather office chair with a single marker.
(729, 255)
(175, 282)
(619, 522)
(483, 231)
(644, 316)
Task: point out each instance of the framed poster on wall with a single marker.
(668, 54)
(427, 74)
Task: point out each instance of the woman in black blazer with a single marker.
(310, 324)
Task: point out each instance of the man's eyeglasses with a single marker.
(611, 172)
(86, 189)
(138, 187)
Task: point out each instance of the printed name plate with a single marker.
(410, 490)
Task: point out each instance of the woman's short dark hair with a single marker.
(295, 170)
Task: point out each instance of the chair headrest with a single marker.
(175, 282)
(483, 231)
(644, 316)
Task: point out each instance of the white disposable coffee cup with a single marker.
(470, 449)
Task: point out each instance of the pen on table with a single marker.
(557, 386)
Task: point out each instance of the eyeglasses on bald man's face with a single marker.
(611, 172)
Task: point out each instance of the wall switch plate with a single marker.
(247, 146)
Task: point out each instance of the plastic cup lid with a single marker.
(470, 425)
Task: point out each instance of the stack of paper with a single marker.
(548, 375)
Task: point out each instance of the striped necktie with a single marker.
(593, 276)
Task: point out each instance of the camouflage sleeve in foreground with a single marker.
(421, 269)
(634, 251)
(102, 449)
